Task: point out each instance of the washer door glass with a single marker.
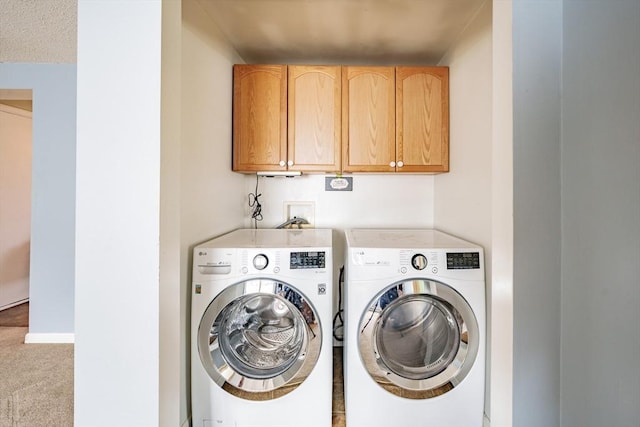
(259, 336)
(418, 338)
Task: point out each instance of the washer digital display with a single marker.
(307, 260)
(463, 260)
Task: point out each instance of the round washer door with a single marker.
(418, 338)
(259, 339)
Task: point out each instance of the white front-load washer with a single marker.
(414, 348)
(261, 343)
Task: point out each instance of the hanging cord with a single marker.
(338, 321)
(373, 311)
(256, 214)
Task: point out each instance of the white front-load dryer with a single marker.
(261, 343)
(415, 329)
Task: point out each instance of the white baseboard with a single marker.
(49, 338)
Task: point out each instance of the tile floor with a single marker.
(338, 416)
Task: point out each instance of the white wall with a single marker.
(15, 204)
(385, 200)
(463, 197)
(537, 209)
(52, 263)
(211, 196)
(600, 213)
(117, 211)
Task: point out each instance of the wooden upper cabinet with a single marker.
(368, 119)
(314, 118)
(259, 117)
(422, 119)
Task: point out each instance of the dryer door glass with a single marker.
(259, 336)
(418, 338)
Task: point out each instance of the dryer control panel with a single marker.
(463, 260)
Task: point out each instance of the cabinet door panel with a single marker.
(314, 118)
(368, 132)
(259, 117)
(422, 122)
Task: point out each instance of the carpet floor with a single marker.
(36, 380)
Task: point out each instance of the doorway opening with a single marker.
(16, 106)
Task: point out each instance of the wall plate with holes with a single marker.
(297, 209)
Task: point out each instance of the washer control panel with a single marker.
(213, 261)
(298, 260)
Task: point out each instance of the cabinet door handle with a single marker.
(392, 164)
(282, 163)
(290, 163)
(400, 164)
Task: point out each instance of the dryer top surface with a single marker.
(405, 239)
(272, 238)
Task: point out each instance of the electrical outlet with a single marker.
(305, 210)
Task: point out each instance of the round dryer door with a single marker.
(259, 339)
(418, 338)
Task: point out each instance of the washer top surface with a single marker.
(272, 238)
(404, 239)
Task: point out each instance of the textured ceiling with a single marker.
(285, 31)
(38, 31)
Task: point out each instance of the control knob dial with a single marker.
(260, 261)
(419, 261)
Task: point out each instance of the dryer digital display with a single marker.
(463, 260)
(307, 260)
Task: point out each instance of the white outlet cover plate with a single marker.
(304, 210)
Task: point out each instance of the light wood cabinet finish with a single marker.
(259, 117)
(314, 118)
(368, 118)
(422, 119)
